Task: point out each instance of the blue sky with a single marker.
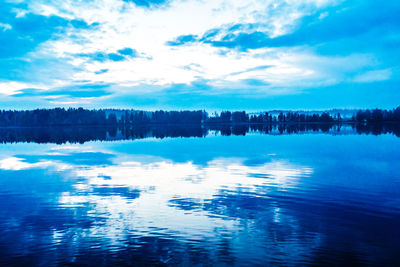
(200, 54)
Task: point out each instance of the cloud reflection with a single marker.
(157, 196)
(16, 164)
(163, 182)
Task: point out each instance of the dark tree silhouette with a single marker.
(116, 117)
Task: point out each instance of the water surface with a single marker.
(298, 199)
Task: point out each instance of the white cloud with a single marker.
(11, 88)
(374, 76)
(5, 26)
(123, 24)
(63, 62)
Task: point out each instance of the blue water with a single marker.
(309, 199)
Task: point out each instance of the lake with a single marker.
(320, 197)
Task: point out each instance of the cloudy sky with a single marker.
(207, 54)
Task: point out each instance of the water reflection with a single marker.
(61, 135)
(251, 200)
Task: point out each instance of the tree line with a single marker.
(80, 116)
(239, 117)
(107, 117)
(377, 115)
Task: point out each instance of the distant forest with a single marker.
(117, 117)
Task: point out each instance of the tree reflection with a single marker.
(60, 135)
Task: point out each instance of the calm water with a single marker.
(307, 199)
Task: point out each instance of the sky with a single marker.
(200, 54)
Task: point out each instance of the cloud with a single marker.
(138, 29)
(119, 55)
(348, 20)
(169, 49)
(77, 91)
(148, 3)
(13, 88)
(22, 34)
(374, 76)
(5, 26)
